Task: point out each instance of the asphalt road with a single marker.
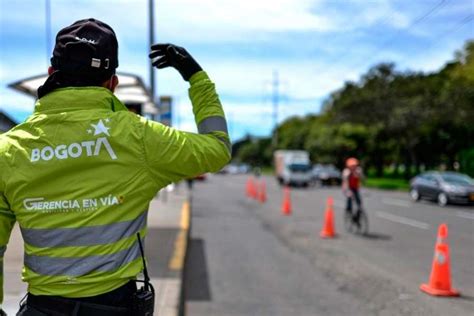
(246, 258)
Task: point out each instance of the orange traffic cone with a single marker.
(248, 187)
(263, 193)
(440, 279)
(328, 227)
(286, 205)
(255, 192)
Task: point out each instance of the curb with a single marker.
(170, 298)
(182, 299)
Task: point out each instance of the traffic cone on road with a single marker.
(255, 192)
(248, 187)
(251, 192)
(440, 279)
(263, 192)
(286, 205)
(328, 227)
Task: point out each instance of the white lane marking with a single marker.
(465, 215)
(396, 202)
(402, 220)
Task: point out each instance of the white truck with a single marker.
(292, 167)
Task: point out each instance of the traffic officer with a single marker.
(78, 175)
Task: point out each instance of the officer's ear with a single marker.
(112, 83)
(51, 70)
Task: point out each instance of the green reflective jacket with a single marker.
(78, 177)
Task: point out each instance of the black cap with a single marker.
(87, 47)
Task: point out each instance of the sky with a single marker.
(312, 46)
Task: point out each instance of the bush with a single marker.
(466, 160)
(387, 184)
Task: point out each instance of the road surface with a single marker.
(246, 258)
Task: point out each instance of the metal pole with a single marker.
(276, 99)
(48, 30)
(151, 29)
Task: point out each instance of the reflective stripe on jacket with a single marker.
(78, 177)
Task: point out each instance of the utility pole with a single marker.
(48, 31)
(163, 194)
(151, 29)
(275, 101)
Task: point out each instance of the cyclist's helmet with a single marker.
(352, 162)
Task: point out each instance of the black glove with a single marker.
(165, 55)
(2, 313)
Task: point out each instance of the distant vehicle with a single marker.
(444, 187)
(244, 168)
(292, 167)
(326, 174)
(233, 168)
(201, 177)
(229, 169)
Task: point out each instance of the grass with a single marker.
(387, 183)
(268, 171)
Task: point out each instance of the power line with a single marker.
(458, 26)
(452, 30)
(275, 96)
(388, 42)
(275, 101)
(440, 4)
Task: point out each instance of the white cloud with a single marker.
(432, 60)
(16, 102)
(208, 20)
(299, 79)
(277, 15)
(369, 13)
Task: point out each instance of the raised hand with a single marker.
(169, 55)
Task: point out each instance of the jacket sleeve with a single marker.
(173, 155)
(7, 220)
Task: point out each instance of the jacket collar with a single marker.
(78, 98)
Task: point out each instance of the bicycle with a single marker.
(356, 223)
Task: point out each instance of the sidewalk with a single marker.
(165, 248)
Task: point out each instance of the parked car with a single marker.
(326, 174)
(443, 187)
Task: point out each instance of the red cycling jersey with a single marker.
(354, 181)
(353, 178)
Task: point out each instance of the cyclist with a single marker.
(352, 176)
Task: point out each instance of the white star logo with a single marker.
(100, 128)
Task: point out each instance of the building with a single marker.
(131, 91)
